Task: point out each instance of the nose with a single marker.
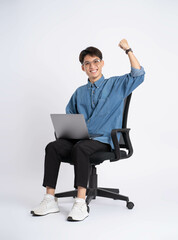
(92, 64)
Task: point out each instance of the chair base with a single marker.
(93, 191)
(105, 192)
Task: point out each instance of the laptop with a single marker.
(71, 126)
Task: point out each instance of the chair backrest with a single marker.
(124, 118)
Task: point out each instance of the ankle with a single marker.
(81, 192)
(50, 191)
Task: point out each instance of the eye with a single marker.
(86, 63)
(96, 61)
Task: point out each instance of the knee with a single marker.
(55, 145)
(50, 146)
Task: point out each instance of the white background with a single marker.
(40, 42)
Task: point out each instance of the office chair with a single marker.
(97, 158)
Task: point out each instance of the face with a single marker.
(93, 65)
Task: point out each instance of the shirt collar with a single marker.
(97, 84)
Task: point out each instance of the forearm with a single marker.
(133, 61)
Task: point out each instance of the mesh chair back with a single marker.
(124, 118)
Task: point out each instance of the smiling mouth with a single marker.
(94, 71)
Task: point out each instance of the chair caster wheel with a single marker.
(130, 205)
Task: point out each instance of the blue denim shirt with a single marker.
(102, 102)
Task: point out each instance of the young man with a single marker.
(101, 101)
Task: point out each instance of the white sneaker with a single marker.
(79, 211)
(48, 205)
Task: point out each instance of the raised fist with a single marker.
(124, 44)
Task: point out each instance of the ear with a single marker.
(83, 68)
(102, 63)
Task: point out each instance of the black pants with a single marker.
(78, 151)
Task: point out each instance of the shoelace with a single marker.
(44, 202)
(78, 205)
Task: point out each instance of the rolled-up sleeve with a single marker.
(128, 82)
(133, 80)
(137, 72)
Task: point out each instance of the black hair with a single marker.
(92, 51)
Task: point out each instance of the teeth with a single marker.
(94, 71)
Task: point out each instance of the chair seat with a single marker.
(100, 157)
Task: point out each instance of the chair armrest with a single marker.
(125, 133)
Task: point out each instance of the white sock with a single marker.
(49, 196)
(81, 200)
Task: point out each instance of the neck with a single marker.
(92, 80)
